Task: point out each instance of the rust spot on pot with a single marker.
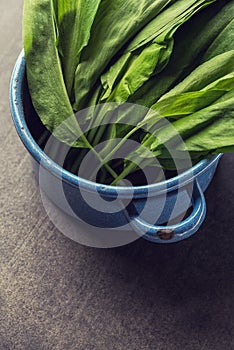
(165, 235)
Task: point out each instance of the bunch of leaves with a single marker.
(175, 57)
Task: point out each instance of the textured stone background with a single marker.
(56, 294)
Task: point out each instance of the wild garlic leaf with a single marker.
(44, 72)
(116, 23)
(202, 120)
(219, 134)
(201, 30)
(205, 74)
(149, 51)
(43, 64)
(75, 19)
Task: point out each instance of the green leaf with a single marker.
(223, 42)
(220, 134)
(201, 30)
(149, 52)
(116, 23)
(207, 73)
(45, 77)
(200, 123)
(74, 19)
(185, 103)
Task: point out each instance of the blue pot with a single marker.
(147, 208)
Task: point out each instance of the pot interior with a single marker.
(55, 149)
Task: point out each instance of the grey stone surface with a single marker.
(56, 294)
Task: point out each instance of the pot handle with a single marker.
(178, 232)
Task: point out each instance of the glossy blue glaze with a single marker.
(195, 180)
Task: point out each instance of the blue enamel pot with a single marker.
(148, 207)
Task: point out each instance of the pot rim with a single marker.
(16, 103)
